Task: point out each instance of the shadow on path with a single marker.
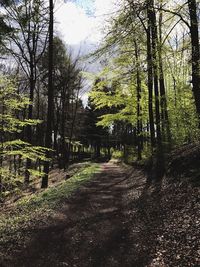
(102, 225)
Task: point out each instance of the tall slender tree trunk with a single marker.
(74, 114)
(192, 4)
(139, 115)
(69, 146)
(2, 143)
(163, 98)
(48, 138)
(154, 39)
(30, 117)
(154, 42)
(56, 127)
(63, 120)
(150, 82)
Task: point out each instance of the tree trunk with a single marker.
(48, 138)
(195, 53)
(30, 117)
(74, 114)
(139, 119)
(163, 99)
(154, 41)
(63, 119)
(150, 82)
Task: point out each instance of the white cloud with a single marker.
(73, 23)
(82, 31)
(76, 26)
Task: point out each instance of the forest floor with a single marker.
(116, 220)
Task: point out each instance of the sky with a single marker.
(79, 22)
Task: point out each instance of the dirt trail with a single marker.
(97, 226)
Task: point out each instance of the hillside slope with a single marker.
(116, 219)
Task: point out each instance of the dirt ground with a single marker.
(108, 222)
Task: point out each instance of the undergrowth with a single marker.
(39, 207)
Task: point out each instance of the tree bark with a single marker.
(150, 81)
(30, 117)
(139, 90)
(154, 39)
(163, 99)
(195, 53)
(160, 165)
(48, 138)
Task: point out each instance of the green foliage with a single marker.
(12, 150)
(183, 117)
(53, 196)
(173, 117)
(120, 99)
(10, 182)
(12, 103)
(117, 154)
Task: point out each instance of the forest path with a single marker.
(98, 226)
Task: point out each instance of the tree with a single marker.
(139, 109)
(13, 150)
(27, 44)
(96, 135)
(139, 42)
(194, 32)
(67, 86)
(48, 137)
(192, 25)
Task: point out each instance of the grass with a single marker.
(37, 208)
(51, 197)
